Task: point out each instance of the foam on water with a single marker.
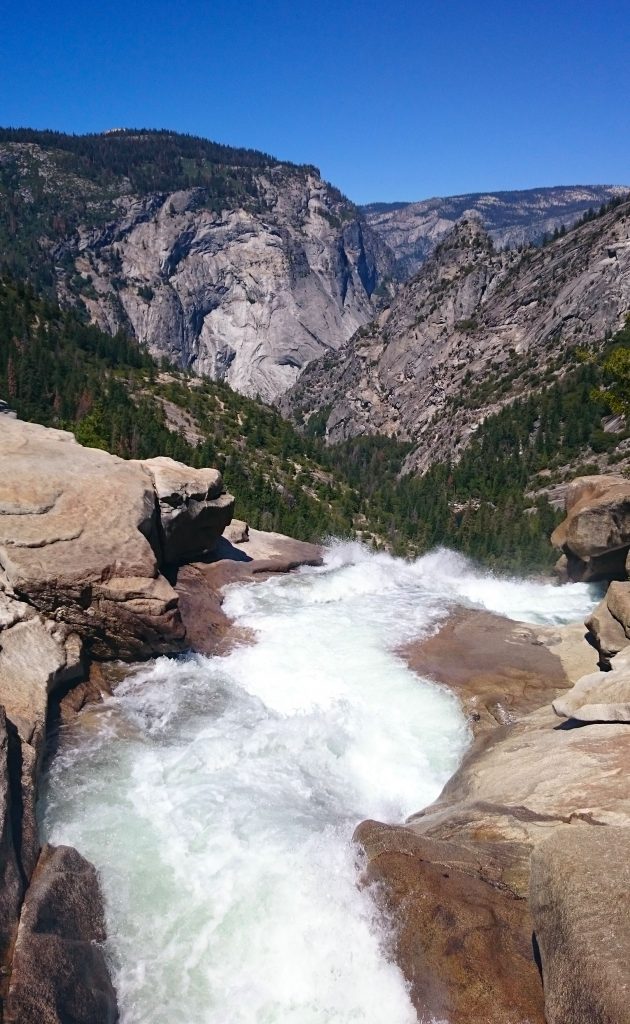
(218, 796)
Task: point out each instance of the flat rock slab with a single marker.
(499, 669)
(580, 904)
(199, 585)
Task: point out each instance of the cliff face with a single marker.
(245, 277)
(239, 296)
(412, 230)
(471, 314)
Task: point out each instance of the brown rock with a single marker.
(200, 584)
(194, 509)
(618, 602)
(607, 633)
(463, 937)
(456, 875)
(595, 536)
(579, 898)
(599, 697)
(499, 669)
(78, 540)
(237, 532)
(59, 972)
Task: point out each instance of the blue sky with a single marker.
(392, 100)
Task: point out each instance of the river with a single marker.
(218, 796)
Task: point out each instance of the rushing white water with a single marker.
(218, 796)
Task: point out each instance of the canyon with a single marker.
(467, 852)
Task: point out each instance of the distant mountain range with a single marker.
(412, 230)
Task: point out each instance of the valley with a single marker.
(314, 543)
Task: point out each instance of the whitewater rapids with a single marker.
(218, 796)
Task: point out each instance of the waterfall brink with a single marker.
(218, 796)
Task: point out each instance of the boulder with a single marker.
(194, 508)
(595, 536)
(78, 541)
(607, 633)
(580, 885)
(462, 937)
(237, 532)
(618, 602)
(597, 697)
(460, 902)
(59, 972)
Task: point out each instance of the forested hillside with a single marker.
(58, 370)
(50, 183)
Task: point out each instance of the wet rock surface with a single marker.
(59, 972)
(251, 554)
(500, 669)
(456, 876)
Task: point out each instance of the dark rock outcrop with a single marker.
(59, 972)
(11, 878)
(580, 881)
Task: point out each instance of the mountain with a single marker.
(59, 371)
(474, 330)
(225, 261)
(412, 230)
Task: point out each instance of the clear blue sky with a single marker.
(392, 100)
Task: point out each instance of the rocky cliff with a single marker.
(471, 317)
(224, 261)
(412, 230)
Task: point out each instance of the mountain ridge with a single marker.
(512, 217)
(228, 261)
(471, 318)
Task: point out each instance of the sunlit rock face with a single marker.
(247, 295)
(472, 317)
